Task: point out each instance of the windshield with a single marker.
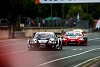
(73, 34)
(43, 36)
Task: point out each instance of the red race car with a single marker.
(74, 38)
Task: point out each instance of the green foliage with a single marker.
(85, 16)
(13, 8)
(74, 10)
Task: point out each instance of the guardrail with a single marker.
(30, 30)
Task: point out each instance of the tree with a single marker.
(74, 10)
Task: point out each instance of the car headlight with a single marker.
(34, 40)
(52, 40)
(81, 39)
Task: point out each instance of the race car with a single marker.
(74, 38)
(45, 40)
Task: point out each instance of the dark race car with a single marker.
(45, 40)
(74, 38)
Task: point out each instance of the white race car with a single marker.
(45, 40)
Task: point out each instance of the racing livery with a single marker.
(73, 37)
(45, 40)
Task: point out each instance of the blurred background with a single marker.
(17, 15)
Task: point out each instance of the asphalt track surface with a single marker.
(14, 53)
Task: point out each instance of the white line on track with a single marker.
(66, 57)
(78, 49)
(86, 61)
(13, 52)
(97, 38)
(90, 39)
(94, 39)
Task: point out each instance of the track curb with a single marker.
(92, 63)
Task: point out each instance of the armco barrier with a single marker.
(19, 34)
(30, 30)
(4, 32)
